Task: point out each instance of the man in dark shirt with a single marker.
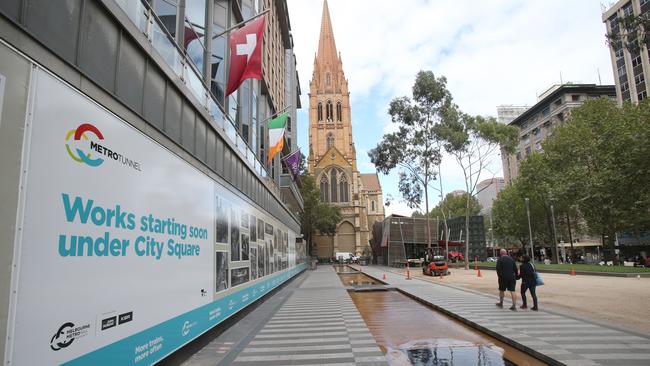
(507, 273)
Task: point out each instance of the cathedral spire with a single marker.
(326, 44)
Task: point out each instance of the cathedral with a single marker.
(332, 156)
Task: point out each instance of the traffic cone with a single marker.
(572, 272)
(385, 277)
(478, 274)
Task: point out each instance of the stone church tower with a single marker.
(332, 156)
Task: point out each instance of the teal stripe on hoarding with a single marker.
(152, 344)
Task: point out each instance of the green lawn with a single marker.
(578, 267)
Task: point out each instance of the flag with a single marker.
(245, 54)
(276, 134)
(293, 163)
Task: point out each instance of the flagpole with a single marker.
(240, 24)
(276, 113)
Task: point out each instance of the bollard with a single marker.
(385, 277)
(478, 274)
(475, 263)
(408, 271)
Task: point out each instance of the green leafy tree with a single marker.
(455, 206)
(317, 216)
(474, 141)
(632, 32)
(600, 159)
(413, 149)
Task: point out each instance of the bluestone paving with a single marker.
(557, 338)
(313, 321)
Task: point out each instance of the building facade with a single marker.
(507, 113)
(537, 123)
(477, 243)
(332, 156)
(631, 67)
(487, 191)
(121, 104)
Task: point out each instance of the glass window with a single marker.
(219, 24)
(343, 186)
(254, 122)
(330, 140)
(320, 111)
(339, 111)
(194, 40)
(324, 189)
(333, 183)
(244, 112)
(166, 11)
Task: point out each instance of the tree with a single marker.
(474, 141)
(600, 157)
(455, 206)
(316, 216)
(413, 148)
(631, 32)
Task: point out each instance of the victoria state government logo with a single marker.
(84, 145)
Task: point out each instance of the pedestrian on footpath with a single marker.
(507, 273)
(528, 282)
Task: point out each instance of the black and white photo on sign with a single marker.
(245, 246)
(260, 260)
(253, 263)
(244, 219)
(239, 276)
(253, 228)
(222, 271)
(260, 229)
(268, 229)
(223, 208)
(269, 257)
(235, 248)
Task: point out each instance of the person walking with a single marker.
(528, 282)
(507, 273)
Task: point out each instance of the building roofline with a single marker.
(563, 89)
(613, 9)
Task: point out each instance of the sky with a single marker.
(492, 53)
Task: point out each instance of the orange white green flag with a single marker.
(276, 134)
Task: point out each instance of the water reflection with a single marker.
(357, 280)
(410, 333)
(446, 352)
(344, 269)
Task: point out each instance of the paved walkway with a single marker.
(312, 321)
(557, 338)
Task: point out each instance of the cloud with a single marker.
(492, 52)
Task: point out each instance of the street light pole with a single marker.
(530, 232)
(557, 259)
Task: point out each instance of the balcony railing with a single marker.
(143, 16)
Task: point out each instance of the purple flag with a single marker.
(293, 163)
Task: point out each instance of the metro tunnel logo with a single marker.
(77, 135)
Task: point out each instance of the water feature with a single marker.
(410, 333)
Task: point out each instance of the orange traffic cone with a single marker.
(572, 272)
(478, 274)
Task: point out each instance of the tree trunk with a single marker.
(467, 230)
(573, 252)
(554, 257)
(426, 205)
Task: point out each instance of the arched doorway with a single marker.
(346, 238)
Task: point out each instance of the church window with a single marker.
(339, 111)
(330, 140)
(334, 181)
(328, 79)
(320, 111)
(372, 205)
(324, 189)
(328, 110)
(344, 189)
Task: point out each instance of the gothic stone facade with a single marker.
(332, 156)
